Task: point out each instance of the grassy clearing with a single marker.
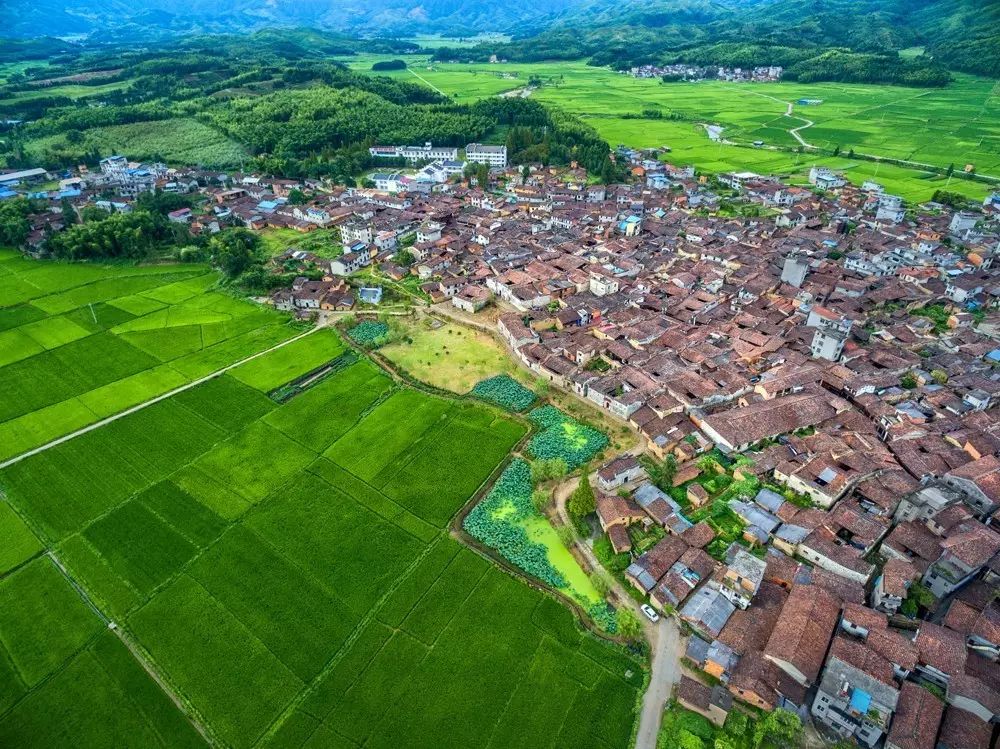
(451, 357)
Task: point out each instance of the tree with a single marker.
(688, 740)
(836, 151)
(582, 501)
(723, 742)
(908, 381)
(939, 376)
(540, 499)
(601, 583)
(14, 224)
(662, 474)
(778, 729)
(565, 534)
(525, 173)
(545, 469)
(234, 251)
(950, 171)
(850, 154)
(629, 625)
(607, 171)
(296, 197)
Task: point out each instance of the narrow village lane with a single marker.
(664, 636)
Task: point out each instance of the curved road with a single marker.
(664, 638)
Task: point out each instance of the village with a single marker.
(687, 72)
(813, 371)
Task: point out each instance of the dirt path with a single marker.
(664, 636)
(151, 401)
(790, 112)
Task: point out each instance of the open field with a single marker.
(71, 90)
(79, 342)
(451, 356)
(286, 571)
(954, 125)
(177, 141)
(322, 242)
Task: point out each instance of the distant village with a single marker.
(826, 345)
(686, 72)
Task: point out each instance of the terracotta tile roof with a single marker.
(619, 538)
(699, 535)
(961, 618)
(918, 716)
(844, 589)
(896, 575)
(895, 647)
(963, 730)
(942, 648)
(974, 689)
(862, 657)
(804, 628)
(750, 629)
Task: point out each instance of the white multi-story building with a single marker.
(493, 156)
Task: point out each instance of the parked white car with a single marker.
(650, 612)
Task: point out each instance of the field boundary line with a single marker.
(140, 406)
(420, 77)
(146, 665)
(363, 623)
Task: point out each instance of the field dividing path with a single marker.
(139, 656)
(663, 636)
(790, 112)
(420, 77)
(151, 401)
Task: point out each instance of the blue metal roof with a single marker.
(860, 701)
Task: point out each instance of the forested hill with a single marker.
(850, 40)
(955, 34)
(273, 99)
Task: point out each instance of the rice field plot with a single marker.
(418, 486)
(355, 552)
(94, 340)
(490, 667)
(956, 124)
(299, 620)
(102, 697)
(226, 403)
(256, 576)
(19, 543)
(324, 412)
(42, 620)
(228, 674)
(288, 362)
(395, 425)
(255, 461)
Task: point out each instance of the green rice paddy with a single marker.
(956, 125)
(284, 570)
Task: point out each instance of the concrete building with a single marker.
(493, 156)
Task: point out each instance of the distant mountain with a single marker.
(964, 34)
(28, 18)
